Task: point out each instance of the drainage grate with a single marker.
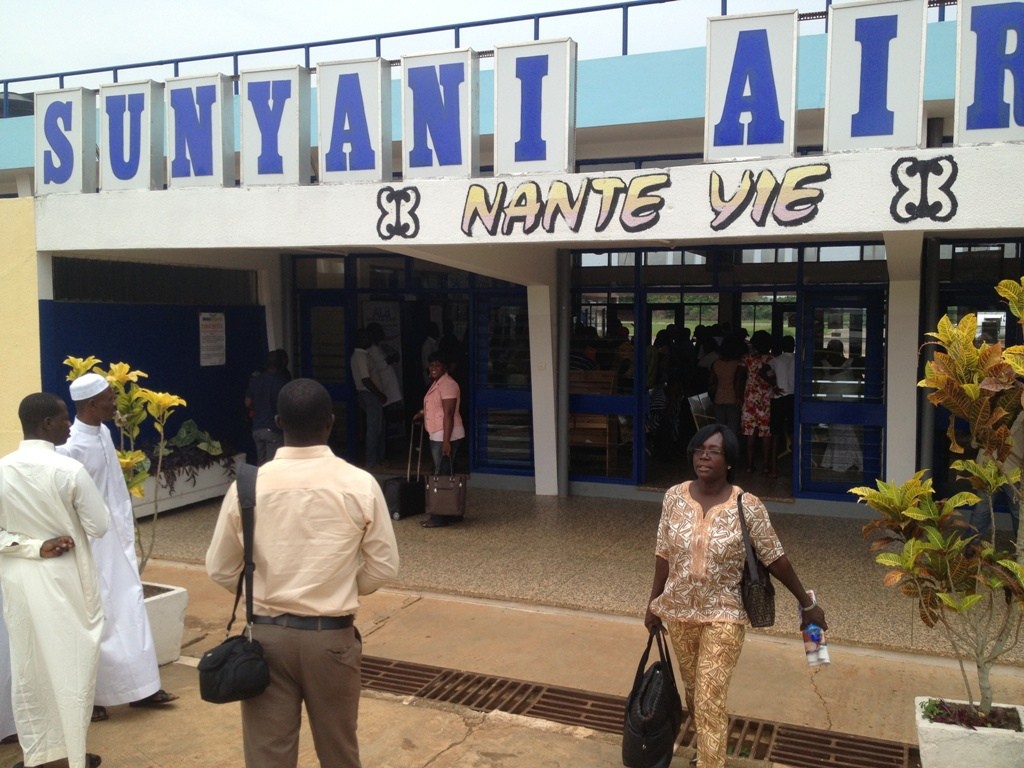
(757, 739)
(811, 748)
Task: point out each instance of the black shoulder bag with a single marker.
(654, 712)
(236, 669)
(756, 586)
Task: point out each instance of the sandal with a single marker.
(91, 761)
(158, 699)
(99, 714)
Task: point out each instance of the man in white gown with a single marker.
(8, 731)
(48, 507)
(128, 671)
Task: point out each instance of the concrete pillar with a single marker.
(541, 305)
(903, 253)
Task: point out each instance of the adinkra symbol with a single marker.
(398, 212)
(924, 189)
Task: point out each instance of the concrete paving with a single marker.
(551, 591)
(864, 692)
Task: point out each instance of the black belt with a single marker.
(291, 621)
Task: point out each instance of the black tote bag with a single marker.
(654, 712)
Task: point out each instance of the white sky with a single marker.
(46, 36)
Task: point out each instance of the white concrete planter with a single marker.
(166, 611)
(953, 746)
(209, 483)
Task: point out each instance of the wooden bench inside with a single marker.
(597, 431)
(592, 382)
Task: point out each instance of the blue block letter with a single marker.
(531, 71)
(350, 128)
(436, 113)
(993, 24)
(60, 145)
(752, 65)
(125, 167)
(873, 118)
(268, 117)
(193, 131)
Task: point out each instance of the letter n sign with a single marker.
(65, 127)
(440, 115)
(751, 86)
(200, 132)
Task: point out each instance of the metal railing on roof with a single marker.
(378, 40)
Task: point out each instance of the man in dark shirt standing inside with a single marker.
(261, 400)
(323, 537)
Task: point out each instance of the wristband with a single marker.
(814, 603)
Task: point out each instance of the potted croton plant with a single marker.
(968, 586)
(154, 468)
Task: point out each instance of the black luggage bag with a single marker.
(405, 495)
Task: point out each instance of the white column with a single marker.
(903, 253)
(541, 304)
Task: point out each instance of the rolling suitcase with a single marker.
(405, 495)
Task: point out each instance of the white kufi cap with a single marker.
(88, 385)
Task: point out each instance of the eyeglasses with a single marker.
(707, 453)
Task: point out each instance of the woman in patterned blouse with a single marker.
(698, 563)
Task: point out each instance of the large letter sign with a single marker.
(440, 117)
(274, 104)
(535, 107)
(990, 44)
(751, 86)
(354, 99)
(132, 135)
(879, 104)
(65, 128)
(200, 132)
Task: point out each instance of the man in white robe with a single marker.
(48, 507)
(8, 731)
(128, 671)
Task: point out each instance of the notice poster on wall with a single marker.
(212, 339)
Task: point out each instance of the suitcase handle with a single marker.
(419, 457)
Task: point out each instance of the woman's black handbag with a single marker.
(236, 669)
(756, 586)
(654, 712)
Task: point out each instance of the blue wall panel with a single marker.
(163, 341)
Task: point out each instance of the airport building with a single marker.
(568, 222)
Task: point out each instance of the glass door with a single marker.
(840, 409)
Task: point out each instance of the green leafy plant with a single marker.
(961, 582)
(188, 451)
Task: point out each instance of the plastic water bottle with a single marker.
(815, 645)
(812, 643)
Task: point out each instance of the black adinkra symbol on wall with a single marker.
(924, 189)
(398, 212)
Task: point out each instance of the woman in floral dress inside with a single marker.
(755, 419)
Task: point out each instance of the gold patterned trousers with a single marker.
(707, 655)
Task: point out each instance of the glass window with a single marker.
(838, 369)
(506, 437)
(327, 353)
(600, 445)
(426, 274)
(508, 353)
(320, 273)
(381, 272)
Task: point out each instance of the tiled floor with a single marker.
(597, 554)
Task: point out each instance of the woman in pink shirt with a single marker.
(443, 423)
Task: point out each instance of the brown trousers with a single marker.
(707, 655)
(320, 668)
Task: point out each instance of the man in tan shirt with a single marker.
(323, 537)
